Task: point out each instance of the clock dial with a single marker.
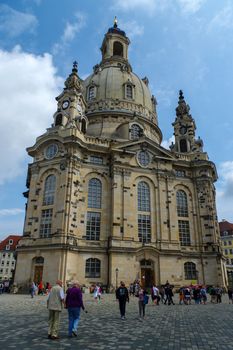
(51, 151)
(65, 104)
(183, 130)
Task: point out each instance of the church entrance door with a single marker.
(147, 273)
(38, 274)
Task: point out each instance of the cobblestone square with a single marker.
(176, 327)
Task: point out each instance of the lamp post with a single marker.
(117, 270)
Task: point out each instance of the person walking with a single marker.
(54, 304)
(74, 303)
(230, 295)
(32, 290)
(143, 299)
(122, 295)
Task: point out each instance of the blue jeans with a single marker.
(74, 315)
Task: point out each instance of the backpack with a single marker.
(146, 299)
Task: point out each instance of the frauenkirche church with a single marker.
(106, 202)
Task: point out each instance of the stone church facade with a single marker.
(105, 201)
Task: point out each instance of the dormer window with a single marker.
(91, 92)
(129, 91)
(58, 120)
(10, 241)
(135, 132)
(117, 49)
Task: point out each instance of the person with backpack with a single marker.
(122, 295)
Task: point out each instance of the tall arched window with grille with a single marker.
(93, 222)
(182, 203)
(190, 271)
(92, 269)
(182, 212)
(49, 190)
(144, 214)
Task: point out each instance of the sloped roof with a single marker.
(225, 226)
(5, 242)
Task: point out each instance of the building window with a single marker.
(58, 120)
(135, 132)
(231, 261)
(144, 228)
(9, 255)
(46, 223)
(2, 263)
(94, 193)
(224, 243)
(96, 160)
(91, 93)
(92, 268)
(182, 203)
(117, 49)
(129, 91)
(143, 158)
(183, 146)
(184, 233)
(49, 190)
(229, 243)
(230, 251)
(8, 247)
(1, 270)
(190, 271)
(93, 226)
(6, 271)
(143, 196)
(12, 263)
(10, 241)
(180, 173)
(7, 263)
(226, 251)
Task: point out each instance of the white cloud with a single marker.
(225, 191)
(133, 29)
(11, 212)
(190, 6)
(223, 19)
(149, 6)
(167, 143)
(13, 23)
(164, 96)
(28, 87)
(70, 31)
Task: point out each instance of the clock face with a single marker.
(183, 130)
(51, 151)
(65, 104)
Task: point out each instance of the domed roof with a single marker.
(111, 83)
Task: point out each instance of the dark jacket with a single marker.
(74, 298)
(122, 294)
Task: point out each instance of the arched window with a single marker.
(92, 268)
(94, 193)
(144, 218)
(183, 146)
(83, 126)
(190, 271)
(91, 93)
(135, 132)
(129, 91)
(58, 120)
(117, 49)
(143, 196)
(182, 203)
(49, 190)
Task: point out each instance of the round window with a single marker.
(143, 158)
(51, 151)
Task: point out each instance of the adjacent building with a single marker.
(8, 256)
(226, 234)
(105, 201)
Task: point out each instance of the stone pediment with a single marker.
(134, 146)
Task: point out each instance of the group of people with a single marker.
(4, 286)
(39, 288)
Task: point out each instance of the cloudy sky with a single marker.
(177, 44)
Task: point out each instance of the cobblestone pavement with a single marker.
(23, 323)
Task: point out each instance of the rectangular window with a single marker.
(12, 263)
(2, 263)
(184, 233)
(230, 250)
(3, 255)
(229, 242)
(8, 247)
(144, 228)
(225, 243)
(93, 226)
(92, 268)
(7, 263)
(96, 160)
(1, 270)
(129, 91)
(46, 223)
(9, 255)
(231, 261)
(226, 251)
